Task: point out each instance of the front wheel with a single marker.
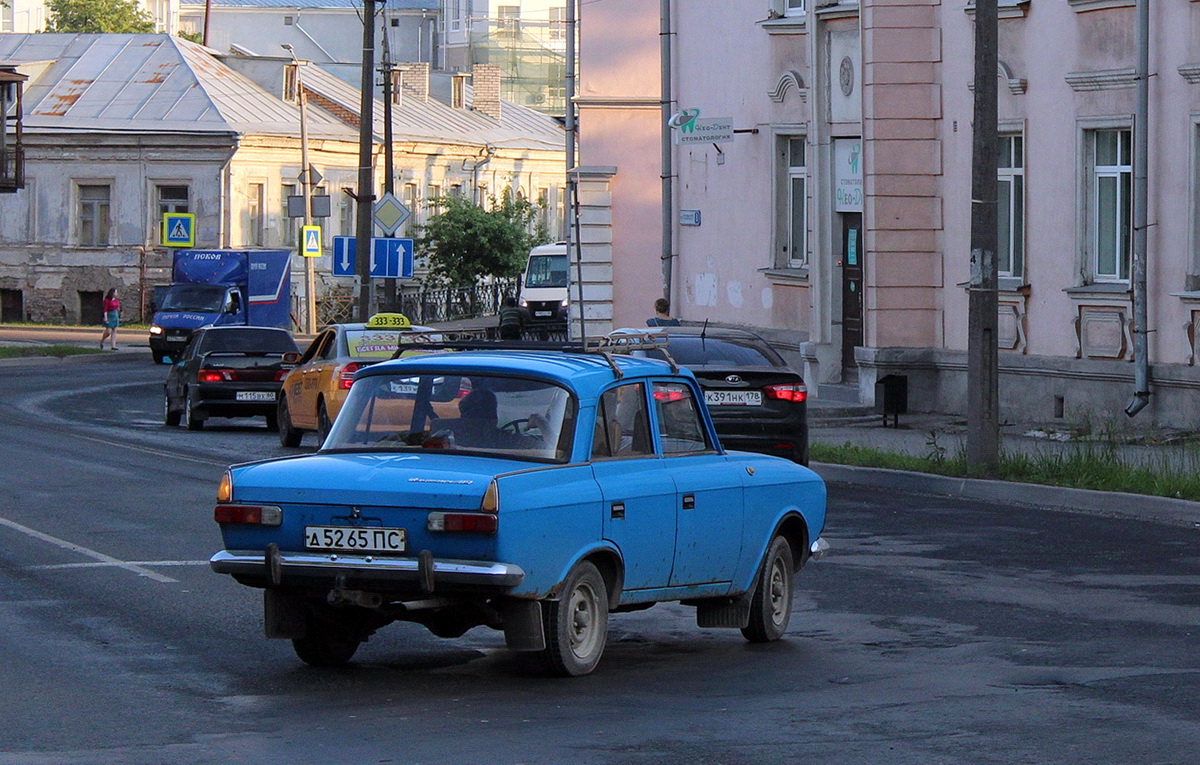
(577, 625)
(771, 606)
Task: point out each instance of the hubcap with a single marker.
(778, 593)
(583, 628)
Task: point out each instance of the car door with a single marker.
(709, 495)
(639, 497)
(178, 374)
(302, 384)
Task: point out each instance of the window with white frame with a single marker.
(1110, 203)
(792, 204)
(508, 20)
(172, 199)
(558, 23)
(1010, 207)
(256, 194)
(289, 232)
(95, 201)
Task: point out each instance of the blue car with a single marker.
(530, 491)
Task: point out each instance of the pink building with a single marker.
(821, 189)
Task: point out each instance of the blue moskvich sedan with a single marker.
(532, 491)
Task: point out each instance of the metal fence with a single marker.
(426, 306)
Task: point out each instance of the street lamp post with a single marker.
(310, 276)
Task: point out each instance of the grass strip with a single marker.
(1090, 466)
(33, 351)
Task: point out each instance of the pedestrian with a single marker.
(112, 318)
(512, 319)
(662, 315)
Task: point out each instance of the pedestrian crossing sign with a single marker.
(178, 230)
(310, 241)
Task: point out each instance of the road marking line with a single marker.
(103, 564)
(108, 559)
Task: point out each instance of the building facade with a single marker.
(834, 215)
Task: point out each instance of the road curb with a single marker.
(1112, 504)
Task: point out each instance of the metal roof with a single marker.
(148, 82)
(390, 5)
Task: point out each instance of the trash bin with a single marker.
(891, 397)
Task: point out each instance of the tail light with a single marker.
(213, 375)
(797, 392)
(486, 521)
(346, 378)
(667, 394)
(282, 373)
(252, 515)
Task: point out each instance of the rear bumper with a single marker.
(388, 574)
(220, 399)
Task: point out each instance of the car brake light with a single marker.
(797, 392)
(346, 379)
(479, 523)
(668, 394)
(282, 373)
(254, 515)
(212, 375)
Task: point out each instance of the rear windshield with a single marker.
(510, 417)
(247, 341)
(699, 351)
(381, 343)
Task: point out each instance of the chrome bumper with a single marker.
(818, 549)
(276, 568)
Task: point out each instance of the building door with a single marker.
(853, 257)
(12, 305)
(91, 307)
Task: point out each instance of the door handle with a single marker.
(689, 501)
(618, 509)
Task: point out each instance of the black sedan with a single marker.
(228, 372)
(756, 400)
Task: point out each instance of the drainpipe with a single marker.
(1141, 157)
(664, 42)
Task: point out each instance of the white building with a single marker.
(28, 16)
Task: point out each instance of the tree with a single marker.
(465, 242)
(88, 16)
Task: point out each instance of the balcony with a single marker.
(12, 152)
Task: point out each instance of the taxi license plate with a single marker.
(733, 397)
(364, 539)
(255, 395)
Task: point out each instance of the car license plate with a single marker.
(255, 395)
(733, 397)
(172, 339)
(365, 539)
(543, 313)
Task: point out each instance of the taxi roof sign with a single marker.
(178, 230)
(389, 320)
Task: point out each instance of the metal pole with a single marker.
(1141, 160)
(310, 275)
(983, 398)
(664, 44)
(366, 159)
(571, 204)
(389, 172)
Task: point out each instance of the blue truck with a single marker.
(220, 288)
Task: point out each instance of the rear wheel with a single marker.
(191, 417)
(577, 625)
(170, 416)
(323, 424)
(325, 645)
(288, 435)
(771, 606)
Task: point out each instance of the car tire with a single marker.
(288, 435)
(323, 424)
(771, 606)
(191, 417)
(170, 416)
(325, 645)
(272, 420)
(576, 627)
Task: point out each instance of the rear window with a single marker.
(381, 343)
(698, 351)
(247, 341)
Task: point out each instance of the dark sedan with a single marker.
(228, 372)
(757, 402)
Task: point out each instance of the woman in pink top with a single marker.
(112, 317)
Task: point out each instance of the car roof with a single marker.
(245, 327)
(362, 325)
(584, 372)
(696, 331)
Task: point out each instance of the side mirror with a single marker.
(291, 357)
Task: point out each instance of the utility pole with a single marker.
(1141, 218)
(310, 275)
(366, 176)
(389, 171)
(571, 206)
(983, 361)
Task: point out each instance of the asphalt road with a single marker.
(939, 630)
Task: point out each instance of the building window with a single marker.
(508, 21)
(289, 232)
(94, 222)
(172, 199)
(792, 223)
(1010, 198)
(348, 220)
(433, 200)
(1111, 204)
(255, 197)
(558, 23)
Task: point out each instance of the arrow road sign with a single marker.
(343, 255)
(179, 230)
(391, 258)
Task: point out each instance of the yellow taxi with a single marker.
(313, 392)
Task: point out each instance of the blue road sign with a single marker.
(179, 230)
(343, 255)
(391, 258)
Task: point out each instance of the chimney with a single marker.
(458, 85)
(414, 80)
(485, 86)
